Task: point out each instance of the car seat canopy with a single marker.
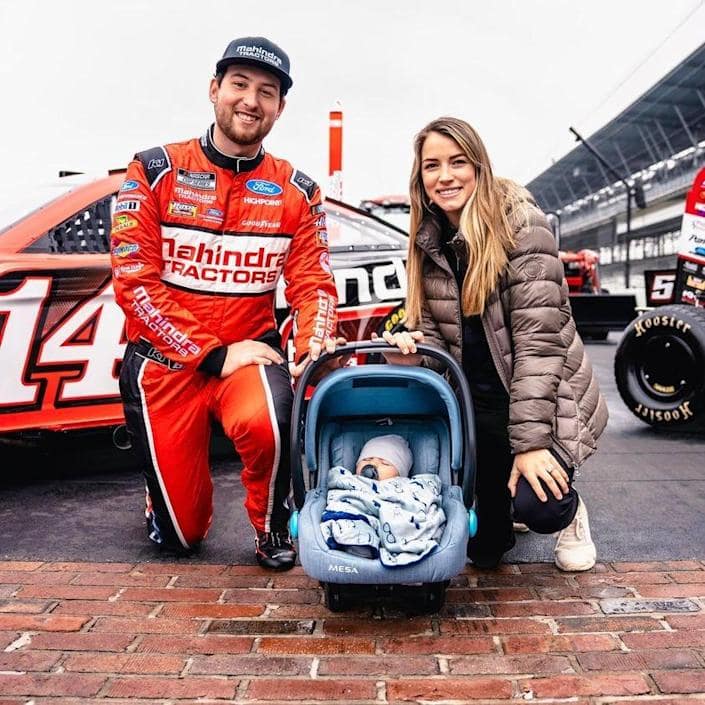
(380, 396)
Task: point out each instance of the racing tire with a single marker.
(659, 366)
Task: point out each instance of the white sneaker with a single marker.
(520, 528)
(574, 549)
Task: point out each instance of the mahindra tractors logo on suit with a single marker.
(204, 261)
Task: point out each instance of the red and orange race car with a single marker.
(62, 334)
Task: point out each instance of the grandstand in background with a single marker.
(658, 143)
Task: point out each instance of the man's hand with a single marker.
(537, 465)
(315, 349)
(249, 352)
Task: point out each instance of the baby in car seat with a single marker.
(378, 511)
(384, 457)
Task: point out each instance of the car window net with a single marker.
(85, 232)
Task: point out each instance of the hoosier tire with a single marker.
(660, 366)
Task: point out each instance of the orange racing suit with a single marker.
(199, 242)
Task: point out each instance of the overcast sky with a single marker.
(87, 83)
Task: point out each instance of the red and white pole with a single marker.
(335, 152)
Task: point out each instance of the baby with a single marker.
(384, 457)
(378, 511)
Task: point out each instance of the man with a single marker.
(202, 232)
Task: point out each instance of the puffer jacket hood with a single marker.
(554, 398)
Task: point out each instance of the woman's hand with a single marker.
(535, 465)
(406, 342)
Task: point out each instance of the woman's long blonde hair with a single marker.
(484, 221)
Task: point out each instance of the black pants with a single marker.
(495, 508)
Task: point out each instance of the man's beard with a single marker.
(243, 137)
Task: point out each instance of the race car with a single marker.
(62, 335)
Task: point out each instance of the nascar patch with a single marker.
(202, 180)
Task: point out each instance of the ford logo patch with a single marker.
(261, 186)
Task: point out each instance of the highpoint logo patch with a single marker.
(262, 187)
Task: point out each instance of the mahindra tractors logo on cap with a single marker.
(261, 186)
(257, 52)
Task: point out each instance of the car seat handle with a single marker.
(370, 347)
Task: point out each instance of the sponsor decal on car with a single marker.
(203, 180)
(130, 185)
(262, 187)
(183, 210)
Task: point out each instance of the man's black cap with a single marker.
(260, 52)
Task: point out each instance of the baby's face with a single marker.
(385, 469)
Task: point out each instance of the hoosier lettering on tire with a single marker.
(660, 366)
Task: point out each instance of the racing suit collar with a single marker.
(237, 164)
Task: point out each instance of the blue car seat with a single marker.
(347, 408)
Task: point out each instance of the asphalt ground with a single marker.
(81, 500)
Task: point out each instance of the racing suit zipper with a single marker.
(223, 228)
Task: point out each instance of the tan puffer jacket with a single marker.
(554, 399)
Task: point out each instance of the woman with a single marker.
(485, 282)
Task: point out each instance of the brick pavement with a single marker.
(626, 633)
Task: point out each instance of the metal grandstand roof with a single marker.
(664, 121)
